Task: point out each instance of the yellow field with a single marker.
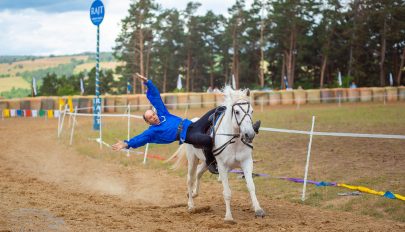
(30, 65)
(103, 65)
(7, 83)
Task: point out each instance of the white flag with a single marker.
(34, 86)
(391, 80)
(179, 85)
(81, 86)
(233, 82)
(340, 79)
(34, 113)
(286, 83)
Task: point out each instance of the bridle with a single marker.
(220, 149)
(246, 112)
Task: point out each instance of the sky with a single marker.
(60, 27)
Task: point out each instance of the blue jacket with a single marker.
(166, 131)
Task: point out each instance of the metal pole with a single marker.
(308, 156)
(97, 120)
(100, 134)
(129, 125)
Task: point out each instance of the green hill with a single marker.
(16, 72)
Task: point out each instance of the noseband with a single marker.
(220, 149)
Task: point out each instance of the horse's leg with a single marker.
(223, 173)
(192, 165)
(201, 168)
(247, 167)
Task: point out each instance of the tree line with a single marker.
(54, 85)
(308, 42)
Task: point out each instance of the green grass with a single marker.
(374, 163)
(8, 83)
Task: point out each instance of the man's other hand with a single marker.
(144, 79)
(119, 145)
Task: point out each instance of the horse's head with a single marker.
(238, 102)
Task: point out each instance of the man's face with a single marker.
(151, 117)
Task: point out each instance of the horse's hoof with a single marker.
(230, 221)
(191, 209)
(260, 213)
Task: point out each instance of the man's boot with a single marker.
(210, 161)
(256, 126)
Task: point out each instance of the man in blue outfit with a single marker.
(166, 128)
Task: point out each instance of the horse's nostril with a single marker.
(246, 135)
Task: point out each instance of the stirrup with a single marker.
(213, 168)
(256, 126)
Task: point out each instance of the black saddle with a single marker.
(214, 117)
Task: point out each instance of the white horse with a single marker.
(233, 135)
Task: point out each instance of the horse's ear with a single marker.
(248, 92)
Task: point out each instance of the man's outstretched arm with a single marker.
(135, 142)
(153, 96)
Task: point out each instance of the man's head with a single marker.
(151, 117)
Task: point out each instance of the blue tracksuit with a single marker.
(166, 131)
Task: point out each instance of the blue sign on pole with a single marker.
(97, 12)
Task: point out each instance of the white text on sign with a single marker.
(97, 10)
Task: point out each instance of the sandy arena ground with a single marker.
(47, 186)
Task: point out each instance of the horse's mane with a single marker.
(231, 96)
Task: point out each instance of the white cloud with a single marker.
(32, 32)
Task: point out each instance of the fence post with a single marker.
(63, 119)
(308, 156)
(185, 112)
(70, 119)
(146, 153)
(261, 105)
(73, 126)
(60, 110)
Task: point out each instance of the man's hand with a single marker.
(119, 145)
(144, 79)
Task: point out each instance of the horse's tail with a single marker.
(180, 154)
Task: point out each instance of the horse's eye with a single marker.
(237, 112)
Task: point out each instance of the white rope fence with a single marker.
(311, 133)
(356, 135)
